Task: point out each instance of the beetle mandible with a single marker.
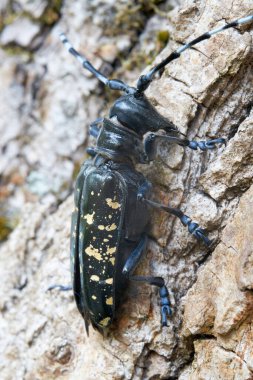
(112, 205)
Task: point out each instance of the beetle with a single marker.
(112, 199)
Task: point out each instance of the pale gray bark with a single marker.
(47, 103)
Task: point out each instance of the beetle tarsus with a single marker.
(194, 229)
(200, 235)
(205, 145)
(165, 305)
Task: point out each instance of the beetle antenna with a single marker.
(113, 84)
(145, 80)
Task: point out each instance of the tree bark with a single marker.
(207, 93)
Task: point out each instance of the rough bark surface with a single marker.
(46, 105)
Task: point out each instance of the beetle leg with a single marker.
(60, 287)
(193, 227)
(143, 190)
(130, 266)
(163, 291)
(94, 130)
(205, 145)
(149, 143)
(135, 256)
(91, 151)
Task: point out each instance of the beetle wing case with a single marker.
(96, 223)
(106, 226)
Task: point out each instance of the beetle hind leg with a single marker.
(163, 292)
(129, 267)
(165, 305)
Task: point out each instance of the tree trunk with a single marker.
(47, 104)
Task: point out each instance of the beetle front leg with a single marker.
(150, 140)
(91, 151)
(130, 266)
(93, 129)
(205, 145)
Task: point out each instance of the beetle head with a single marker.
(135, 112)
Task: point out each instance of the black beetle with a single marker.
(109, 223)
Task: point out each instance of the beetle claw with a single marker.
(200, 235)
(166, 312)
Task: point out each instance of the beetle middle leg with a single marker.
(130, 266)
(193, 227)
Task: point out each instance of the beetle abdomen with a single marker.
(100, 207)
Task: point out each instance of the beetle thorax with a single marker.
(119, 143)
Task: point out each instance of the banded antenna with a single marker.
(113, 84)
(145, 80)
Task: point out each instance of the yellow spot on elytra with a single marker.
(105, 322)
(112, 204)
(109, 301)
(110, 216)
(112, 227)
(110, 251)
(109, 281)
(94, 277)
(91, 251)
(93, 297)
(106, 240)
(92, 193)
(89, 217)
(112, 260)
